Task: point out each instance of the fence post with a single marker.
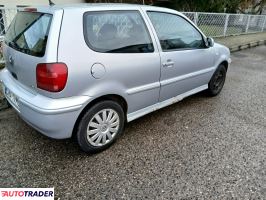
(248, 24)
(264, 23)
(196, 18)
(226, 24)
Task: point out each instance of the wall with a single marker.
(14, 3)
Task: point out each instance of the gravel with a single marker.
(200, 148)
(3, 103)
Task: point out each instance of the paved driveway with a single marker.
(200, 148)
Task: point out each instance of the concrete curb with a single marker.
(247, 46)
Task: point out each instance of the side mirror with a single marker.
(209, 42)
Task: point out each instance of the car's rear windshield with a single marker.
(28, 33)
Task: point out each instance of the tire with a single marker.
(217, 81)
(100, 126)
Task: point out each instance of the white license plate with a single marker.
(11, 97)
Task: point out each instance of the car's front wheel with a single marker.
(100, 126)
(217, 81)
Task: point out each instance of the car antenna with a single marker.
(51, 3)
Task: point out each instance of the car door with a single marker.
(119, 56)
(186, 63)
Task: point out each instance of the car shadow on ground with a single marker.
(69, 147)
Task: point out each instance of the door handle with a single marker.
(168, 64)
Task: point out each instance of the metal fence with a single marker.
(221, 24)
(6, 16)
(212, 24)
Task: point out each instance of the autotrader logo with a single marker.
(27, 193)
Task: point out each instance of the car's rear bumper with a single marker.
(54, 118)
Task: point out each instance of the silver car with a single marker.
(85, 70)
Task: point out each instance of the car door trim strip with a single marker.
(143, 88)
(186, 76)
(157, 106)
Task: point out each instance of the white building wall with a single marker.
(14, 3)
(8, 9)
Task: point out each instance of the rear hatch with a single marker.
(27, 41)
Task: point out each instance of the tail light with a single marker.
(51, 77)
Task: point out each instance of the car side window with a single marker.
(175, 32)
(117, 32)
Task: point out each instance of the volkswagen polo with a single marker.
(85, 70)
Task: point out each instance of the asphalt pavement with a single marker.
(200, 148)
(234, 41)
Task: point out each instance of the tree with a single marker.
(252, 6)
(230, 6)
(199, 5)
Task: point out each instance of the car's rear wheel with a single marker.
(100, 126)
(217, 81)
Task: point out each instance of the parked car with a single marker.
(86, 70)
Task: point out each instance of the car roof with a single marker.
(101, 6)
(93, 5)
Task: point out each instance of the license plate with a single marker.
(11, 97)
